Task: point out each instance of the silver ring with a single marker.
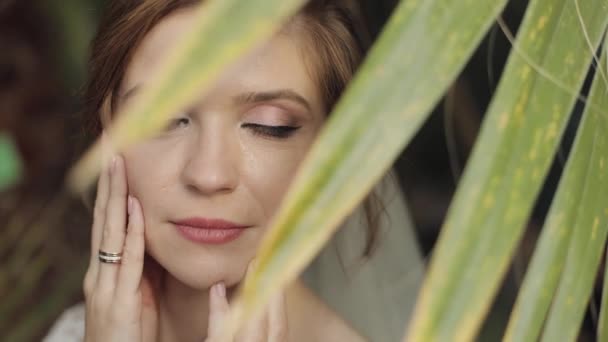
(110, 258)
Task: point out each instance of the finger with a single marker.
(132, 263)
(277, 319)
(218, 311)
(101, 200)
(113, 236)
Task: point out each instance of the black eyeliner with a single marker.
(271, 131)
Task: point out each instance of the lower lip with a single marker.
(209, 236)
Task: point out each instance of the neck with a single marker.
(184, 311)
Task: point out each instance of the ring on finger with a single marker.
(110, 258)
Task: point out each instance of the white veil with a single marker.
(375, 295)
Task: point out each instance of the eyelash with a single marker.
(175, 122)
(279, 132)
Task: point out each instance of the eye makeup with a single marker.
(280, 132)
(271, 121)
(271, 115)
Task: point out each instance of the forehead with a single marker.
(276, 64)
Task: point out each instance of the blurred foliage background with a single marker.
(44, 231)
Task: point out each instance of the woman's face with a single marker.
(230, 156)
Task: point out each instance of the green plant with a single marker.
(10, 164)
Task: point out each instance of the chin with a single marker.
(201, 266)
(203, 271)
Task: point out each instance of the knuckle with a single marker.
(110, 233)
(131, 256)
(119, 192)
(86, 289)
(87, 285)
(96, 302)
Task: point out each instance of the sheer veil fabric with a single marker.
(374, 295)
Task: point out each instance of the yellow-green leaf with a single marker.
(590, 224)
(225, 30)
(579, 201)
(507, 168)
(10, 163)
(421, 51)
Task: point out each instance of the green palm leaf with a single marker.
(574, 234)
(507, 168)
(10, 163)
(589, 227)
(385, 105)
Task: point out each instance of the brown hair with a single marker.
(334, 29)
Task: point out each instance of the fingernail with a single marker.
(130, 205)
(221, 289)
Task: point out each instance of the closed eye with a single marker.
(176, 123)
(280, 132)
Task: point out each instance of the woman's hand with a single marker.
(120, 302)
(271, 326)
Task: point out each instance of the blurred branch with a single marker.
(10, 164)
(28, 328)
(74, 25)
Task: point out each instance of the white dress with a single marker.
(69, 327)
(376, 297)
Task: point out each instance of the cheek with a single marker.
(149, 174)
(268, 172)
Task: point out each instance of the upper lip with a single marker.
(208, 223)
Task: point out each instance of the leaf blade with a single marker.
(590, 228)
(10, 163)
(573, 195)
(213, 44)
(512, 154)
(333, 179)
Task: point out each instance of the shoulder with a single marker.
(311, 311)
(331, 327)
(334, 328)
(69, 327)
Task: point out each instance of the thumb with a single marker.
(218, 312)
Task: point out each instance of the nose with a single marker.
(211, 165)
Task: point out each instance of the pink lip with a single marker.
(209, 231)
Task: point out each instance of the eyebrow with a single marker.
(248, 97)
(285, 94)
(125, 95)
